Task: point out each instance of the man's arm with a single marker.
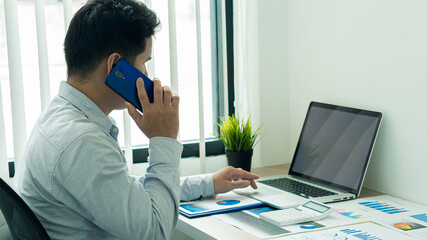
(227, 179)
(96, 185)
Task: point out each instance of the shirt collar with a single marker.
(89, 108)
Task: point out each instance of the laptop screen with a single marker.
(335, 145)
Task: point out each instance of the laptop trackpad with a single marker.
(283, 200)
(272, 196)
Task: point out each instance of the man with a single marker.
(73, 173)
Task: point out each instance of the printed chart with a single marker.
(249, 221)
(227, 202)
(357, 233)
(311, 225)
(421, 217)
(257, 211)
(364, 231)
(396, 214)
(220, 203)
(398, 218)
(383, 207)
(252, 225)
(350, 214)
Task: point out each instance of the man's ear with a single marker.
(112, 61)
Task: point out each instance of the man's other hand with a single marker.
(160, 118)
(230, 178)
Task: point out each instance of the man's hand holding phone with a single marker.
(160, 118)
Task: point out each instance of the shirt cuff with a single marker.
(209, 185)
(195, 187)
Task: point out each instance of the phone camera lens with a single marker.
(119, 74)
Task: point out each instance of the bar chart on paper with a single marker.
(351, 214)
(364, 231)
(360, 234)
(421, 217)
(383, 207)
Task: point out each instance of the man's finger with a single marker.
(241, 174)
(175, 102)
(240, 184)
(158, 91)
(132, 111)
(142, 95)
(253, 184)
(167, 95)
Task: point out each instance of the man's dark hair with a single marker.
(102, 27)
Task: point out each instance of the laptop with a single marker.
(330, 160)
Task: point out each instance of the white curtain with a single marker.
(240, 59)
(246, 73)
(4, 169)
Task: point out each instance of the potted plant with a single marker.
(239, 140)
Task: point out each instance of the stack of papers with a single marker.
(220, 203)
(380, 217)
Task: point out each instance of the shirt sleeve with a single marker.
(95, 183)
(195, 187)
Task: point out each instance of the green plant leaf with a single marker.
(237, 135)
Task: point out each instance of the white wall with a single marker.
(366, 54)
(273, 82)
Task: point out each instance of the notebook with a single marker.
(330, 160)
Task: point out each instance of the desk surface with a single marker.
(211, 227)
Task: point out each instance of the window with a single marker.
(178, 60)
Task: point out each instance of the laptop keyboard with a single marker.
(298, 188)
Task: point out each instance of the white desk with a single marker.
(212, 228)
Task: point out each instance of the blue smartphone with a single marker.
(122, 80)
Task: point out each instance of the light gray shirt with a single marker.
(73, 175)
